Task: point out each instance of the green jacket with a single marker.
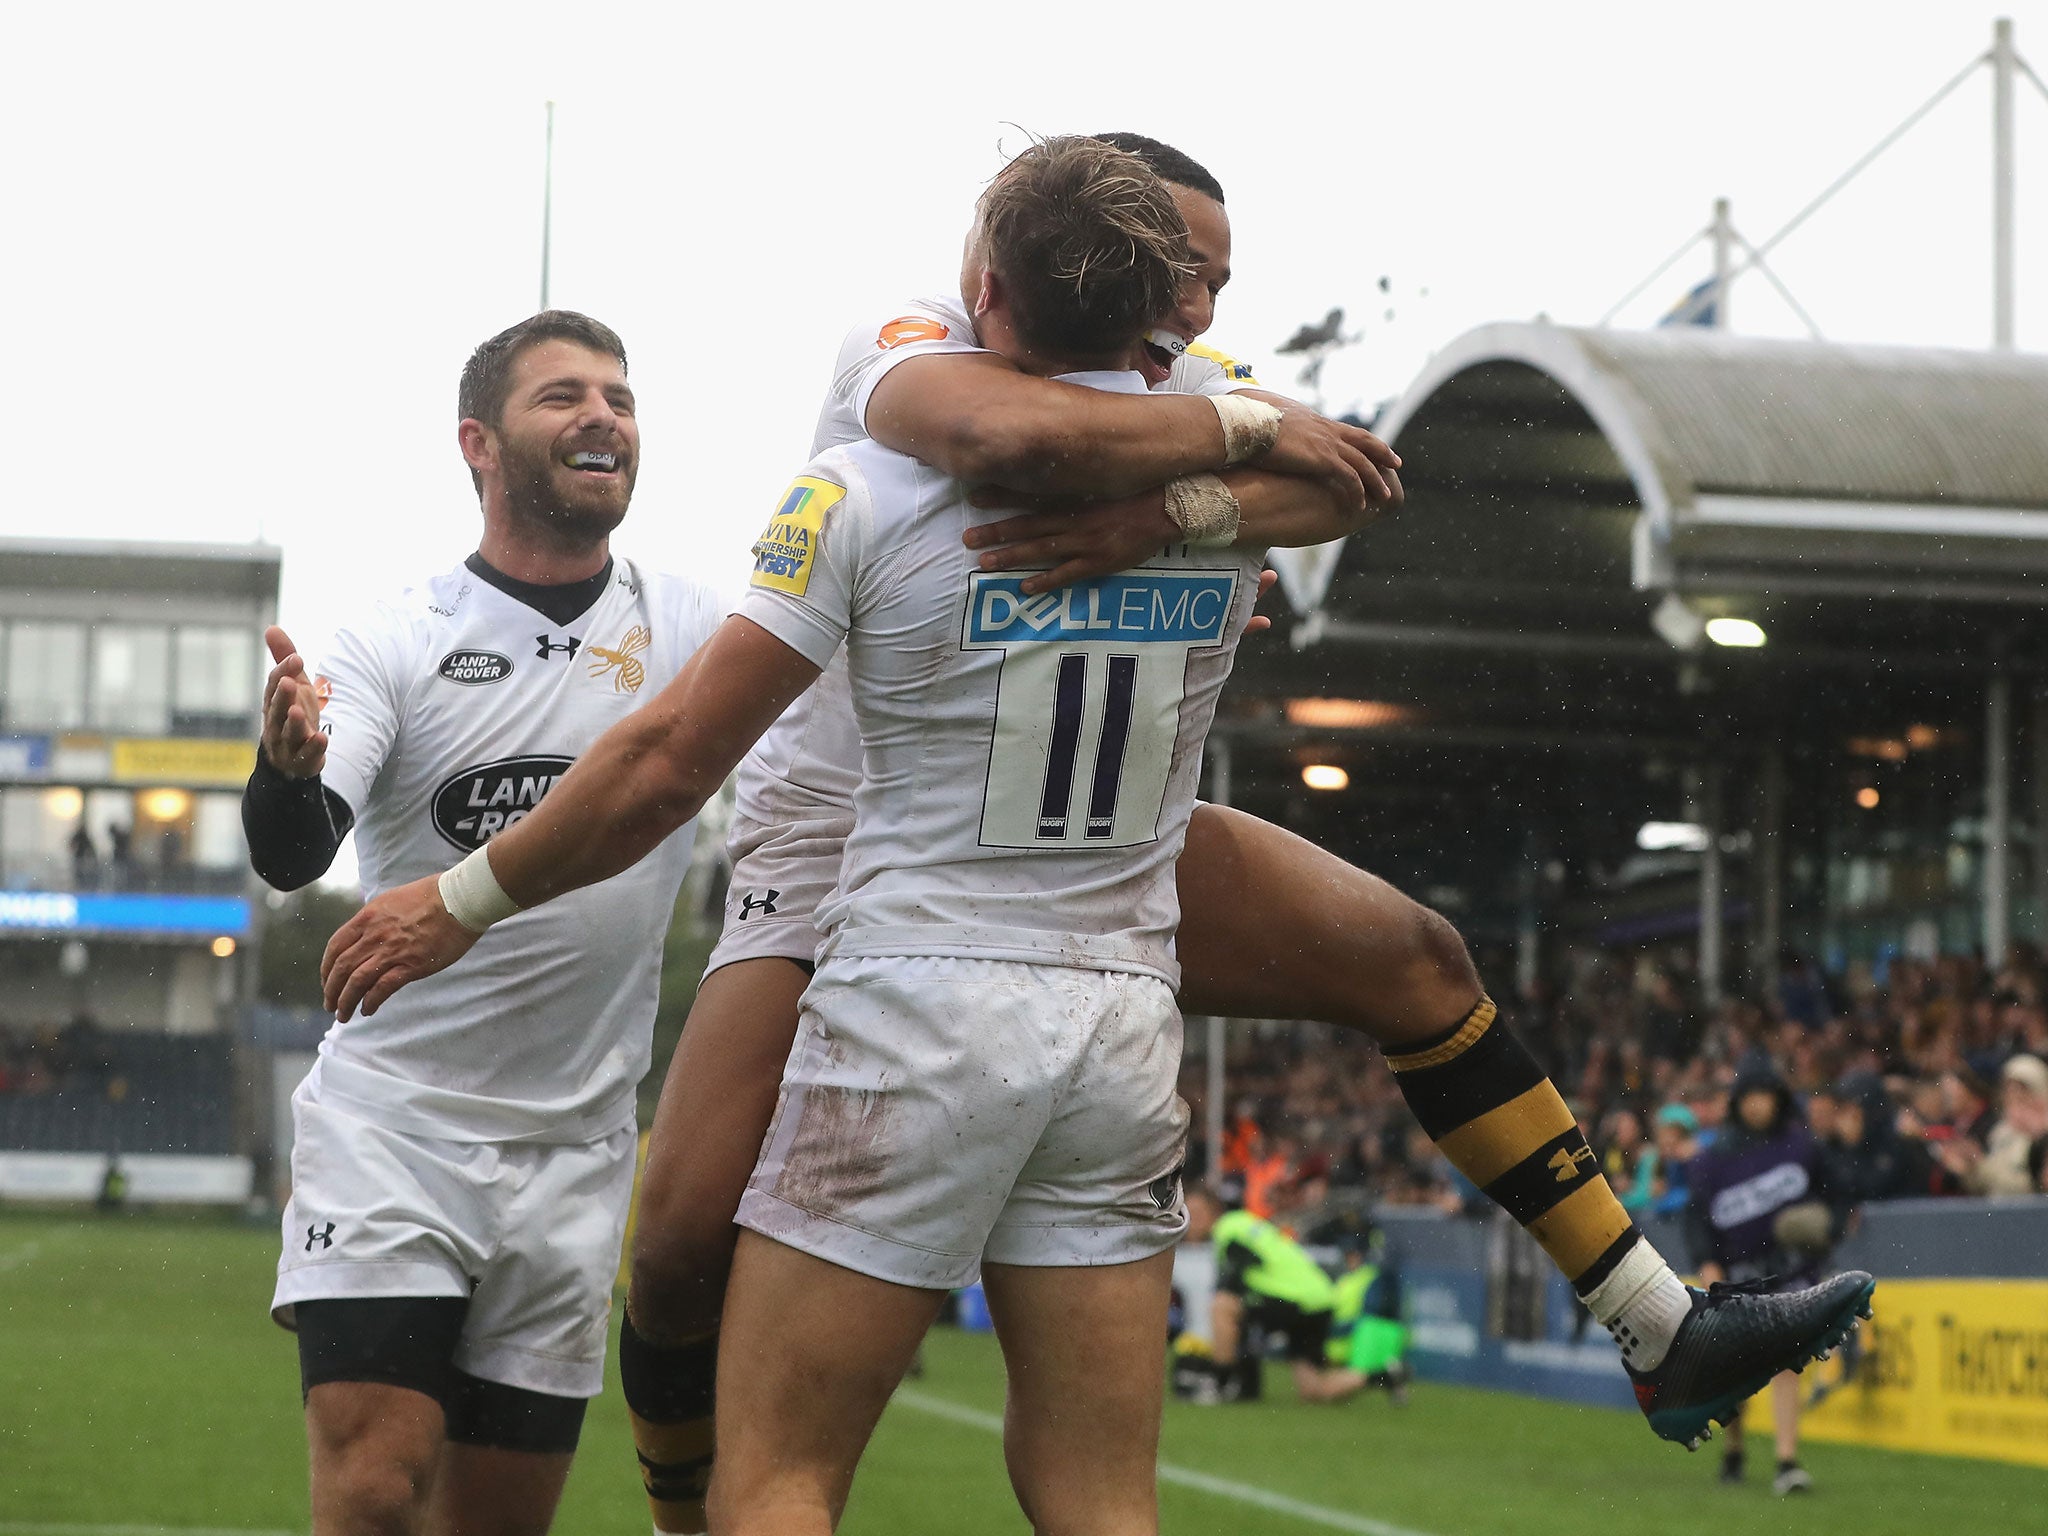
(1254, 1258)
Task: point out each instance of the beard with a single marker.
(558, 504)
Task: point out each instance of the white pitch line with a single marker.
(1185, 1477)
(55, 1528)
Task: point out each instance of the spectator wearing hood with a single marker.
(1760, 1188)
(1867, 1158)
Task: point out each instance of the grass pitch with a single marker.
(143, 1387)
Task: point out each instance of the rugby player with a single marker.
(975, 414)
(1271, 926)
(462, 1162)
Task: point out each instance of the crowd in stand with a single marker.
(1929, 1079)
(79, 1055)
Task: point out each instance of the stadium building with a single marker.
(1685, 638)
(131, 678)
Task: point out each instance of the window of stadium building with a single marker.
(45, 677)
(131, 679)
(216, 683)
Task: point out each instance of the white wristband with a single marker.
(1202, 508)
(1250, 426)
(472, 895)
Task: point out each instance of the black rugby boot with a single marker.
(1735, 1340)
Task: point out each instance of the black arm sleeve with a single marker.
(294, 826)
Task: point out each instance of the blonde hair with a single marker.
(1087, 243)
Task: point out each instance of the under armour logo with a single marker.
(1566, 1160)
(316, 1235)
(766, 903)
(544, 647)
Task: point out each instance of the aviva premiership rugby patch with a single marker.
(783, 555)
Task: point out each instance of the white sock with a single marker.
(1641, 1303)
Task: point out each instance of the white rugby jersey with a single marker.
(1030, 762)
(809, 762)
(451, 711)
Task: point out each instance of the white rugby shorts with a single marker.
(528, 1231)
(781, 875)
(936, 1112)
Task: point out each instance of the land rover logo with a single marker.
(475, 668)
(478, 803)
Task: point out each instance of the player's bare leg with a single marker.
(808, 1356)
(374, 1450)
(715, 1107)
(1081, 1421)
(486, 1490)
(707, 1132)
(1274, 927)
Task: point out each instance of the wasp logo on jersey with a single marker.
(478, 803)
(783, 555)
(1130, 608)
(623, 660)
(473, 669)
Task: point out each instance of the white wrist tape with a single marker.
(1250, 426)
(472, 895)
(1202, 507)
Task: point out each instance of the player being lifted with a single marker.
(462, 1162)
(837, 1142)
(1271, 926)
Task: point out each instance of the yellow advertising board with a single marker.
(1956, 1367)
(182, 760)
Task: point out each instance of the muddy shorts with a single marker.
(528, 1232)
(937, 1112)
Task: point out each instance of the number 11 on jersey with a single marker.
(1088, 703)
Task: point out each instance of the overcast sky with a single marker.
(251, 247)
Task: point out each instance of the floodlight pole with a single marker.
(1712, 892)
(1997, 896)
(2004, 61)
(547, 208)
(1722, 232)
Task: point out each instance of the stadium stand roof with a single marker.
(1519, 652)
(1756, 464)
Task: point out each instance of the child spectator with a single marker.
(1764, 1165)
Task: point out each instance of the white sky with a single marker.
(251, 247)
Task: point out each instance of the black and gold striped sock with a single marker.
(1494, 1113)
(670, 1390)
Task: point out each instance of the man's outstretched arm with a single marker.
(638, 783)
(973, 415)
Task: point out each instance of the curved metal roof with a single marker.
(1778, 459)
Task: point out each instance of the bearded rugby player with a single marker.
(462, 1163)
